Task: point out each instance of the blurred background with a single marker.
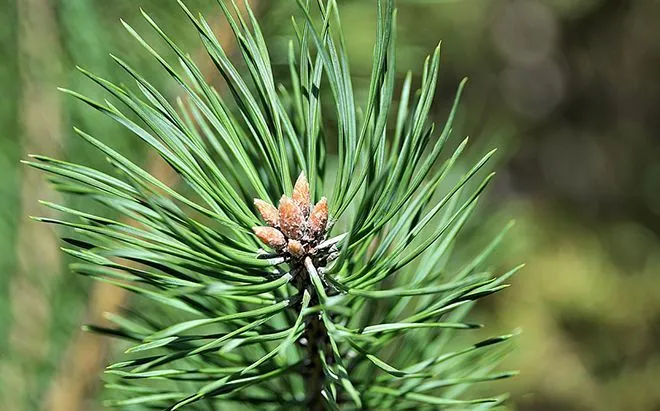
(568, 89)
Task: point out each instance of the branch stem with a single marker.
(316, 344)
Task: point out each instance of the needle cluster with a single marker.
(350, 302)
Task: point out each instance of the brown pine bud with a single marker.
(291, 218)
(296, 249)
(268, 212)
(270, 236)
(318, 219)
(301, 194)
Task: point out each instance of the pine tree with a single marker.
(257, 291)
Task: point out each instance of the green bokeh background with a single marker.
(568, 89)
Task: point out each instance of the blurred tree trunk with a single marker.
(9, 156)
(40, 121)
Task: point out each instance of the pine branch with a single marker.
(355, 298)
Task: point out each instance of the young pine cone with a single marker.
(294, 227)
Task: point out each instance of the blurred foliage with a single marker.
(589, 308)
(570, 86)
(9, 156)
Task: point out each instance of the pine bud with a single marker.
(267, 211)
(318, 219)
(291, 218)
(301, 194)
(270, 236)
(296, 248)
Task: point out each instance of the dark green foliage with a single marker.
(221, 321)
